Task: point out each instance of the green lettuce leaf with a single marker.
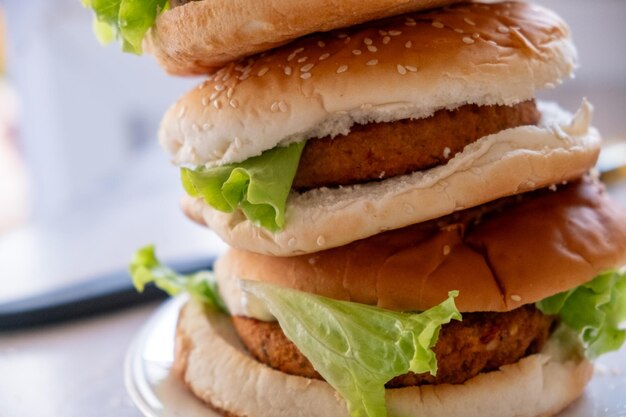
(595, 310)
(355, 347)
(145, 268)
(259, 185)
(126, 20)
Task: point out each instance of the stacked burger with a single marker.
(412, 233)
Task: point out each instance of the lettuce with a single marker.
(126, 20)
(355, 347)
(145, 268)
(595, 310)
(259, 185)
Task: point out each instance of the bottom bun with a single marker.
(214, 365)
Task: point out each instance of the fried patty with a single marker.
(381, 150)
(481, 342)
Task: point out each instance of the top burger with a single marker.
(338, 136)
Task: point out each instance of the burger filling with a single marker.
(481, 342)
(260, 186)
(381, 150)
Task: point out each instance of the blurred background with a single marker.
(83, 182)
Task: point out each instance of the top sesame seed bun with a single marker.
(403, 67)
(201, 35)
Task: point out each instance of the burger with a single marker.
(412, 233)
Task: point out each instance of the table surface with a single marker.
(75, 369)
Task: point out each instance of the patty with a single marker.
(481, 342)
(381, 150)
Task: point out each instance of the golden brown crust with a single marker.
(382, 150)
(199, 36)
(481, 342)
(547, 243)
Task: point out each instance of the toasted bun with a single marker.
(384, 71)
(201, 35)
(507, 163)
(518, 253)
(206, 347)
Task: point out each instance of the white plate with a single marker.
(157, 393)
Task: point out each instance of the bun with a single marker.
(509, 162)
(201, 35)
(518, 253)
(206, 346)
(305, 90)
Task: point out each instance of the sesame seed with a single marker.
(401, 69)
(234, 104)
(356, 52)
(321, 240)
(408, 44)
(468, 40)
(386, 40)
(282, 106)
(503, 29)
(307, 68)
(342, 35)
(297, 51)
(324, 56)
(237, 142)
(321, 44)
(206, 126)
(552, 187)
(291, 242)
(342, 68)
(516, 297)
(372, 62)
(382, 32)
(219, 87)
(446, 250)
(217, 104)
(274, 107)
(244, 76)
(475, 35)
(303, 59)
(263, 71)
(229, 93)
(469, 21)
(494, 43)
(305, 75)
(395, 32)
(287, 70)
(291, 56)
(411, 68)
(226, 77)
(446, 152)
(438, 24)
(458, 30)
(368, 41)
(409, 21)
(205, 101)
(372, 48)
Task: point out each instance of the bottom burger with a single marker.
(492, 311)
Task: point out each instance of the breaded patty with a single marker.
(481, 342)
(382, 150)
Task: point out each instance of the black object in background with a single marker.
(97, 295)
